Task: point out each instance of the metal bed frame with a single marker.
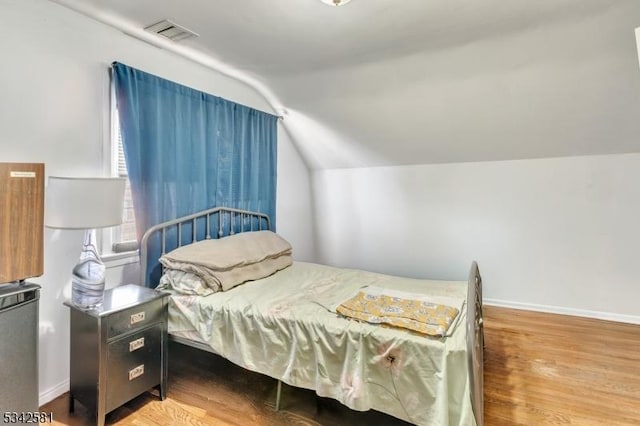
(222, 221)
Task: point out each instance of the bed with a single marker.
(285, 325)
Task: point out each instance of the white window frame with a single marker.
(112, 244)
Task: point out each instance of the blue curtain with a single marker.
(187, 151)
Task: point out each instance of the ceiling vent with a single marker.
(170, 30)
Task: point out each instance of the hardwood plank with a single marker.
(547, 369)
(540, 369)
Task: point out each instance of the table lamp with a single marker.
(85, 203)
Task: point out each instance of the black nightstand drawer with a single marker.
(134, 318)
(134, 365)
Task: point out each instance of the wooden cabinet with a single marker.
(118, 349)
(21, 221)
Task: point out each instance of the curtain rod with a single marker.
(113, 64)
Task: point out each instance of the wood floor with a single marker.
(540, 369)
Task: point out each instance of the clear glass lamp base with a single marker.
(87, 282)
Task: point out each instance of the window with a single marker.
(123, 237)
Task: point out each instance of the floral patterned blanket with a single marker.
(282, 326)
(400, 309)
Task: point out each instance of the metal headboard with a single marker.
(475, 343)
(226, 220)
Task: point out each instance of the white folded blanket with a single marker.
(226, 262)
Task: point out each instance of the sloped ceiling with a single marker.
(382, 82)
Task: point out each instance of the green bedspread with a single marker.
(282, 326)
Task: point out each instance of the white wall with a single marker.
(294, 209)
(551, 234)
(54, 109)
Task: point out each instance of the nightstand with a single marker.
(119, 349)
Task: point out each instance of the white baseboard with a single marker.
(51, 394)
(631, 319)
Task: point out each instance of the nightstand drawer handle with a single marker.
(136, 344)
(136, 372)
(136, 318)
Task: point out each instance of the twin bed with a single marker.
(283, 322)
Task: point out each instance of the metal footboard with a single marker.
(475, 343)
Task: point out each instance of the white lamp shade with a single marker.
(84, 203)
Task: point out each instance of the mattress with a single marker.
(283, 326)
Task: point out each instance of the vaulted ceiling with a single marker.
(382, 82)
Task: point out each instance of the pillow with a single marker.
(232, 260)
(185, 283)
(228, 252)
